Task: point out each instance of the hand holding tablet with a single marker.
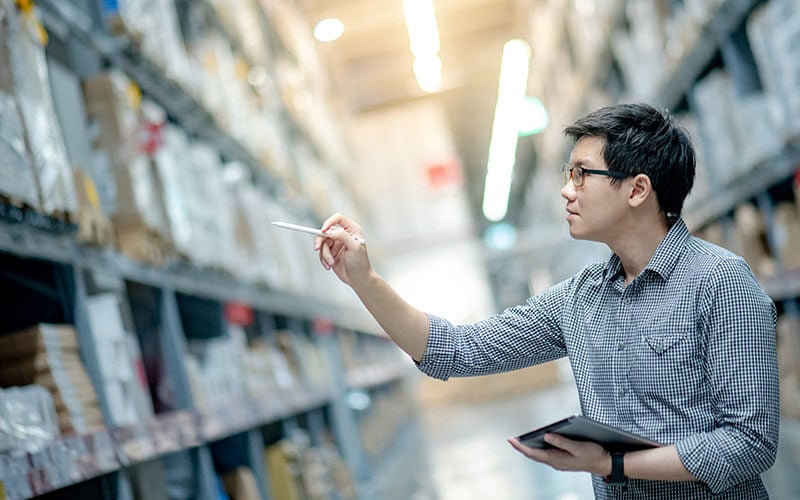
(580, 428)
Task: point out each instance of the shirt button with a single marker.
(621, 346)
(621, 393)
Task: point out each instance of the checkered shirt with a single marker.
(685, 355)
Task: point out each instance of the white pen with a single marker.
(311, 230)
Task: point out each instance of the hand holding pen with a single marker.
(341, 247)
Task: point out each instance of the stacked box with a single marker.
(750, 231)
(240, 484)
(137, 211)
(773, 31)
(283, 471)
(43, 137)
(154, 25)
(48, 355)
(641, 51)
(788, 331)
(715, 101)
(787, 235)
(757, 133)
(125, 393)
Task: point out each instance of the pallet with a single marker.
(15, 211)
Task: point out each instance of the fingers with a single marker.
(533, 453)
(325, 254)
(338, 219)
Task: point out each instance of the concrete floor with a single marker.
(468, 456)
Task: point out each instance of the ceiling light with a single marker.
(423, 37)
(428, 70)
(329, 29)
(257, 76)
(505, 129)
(423, 32)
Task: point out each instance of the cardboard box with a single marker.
(240, 484)
(29, 342)
(788, 331)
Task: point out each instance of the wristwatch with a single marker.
(617, 468)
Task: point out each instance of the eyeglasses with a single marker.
(578, 174)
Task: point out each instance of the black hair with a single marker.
(640, 139)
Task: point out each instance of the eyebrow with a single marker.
(581, 163)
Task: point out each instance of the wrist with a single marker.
(617, 475)
(363, 281)
(605, 465)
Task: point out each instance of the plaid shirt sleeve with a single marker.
(519, 337)
(741, 367)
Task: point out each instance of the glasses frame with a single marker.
(568, 173)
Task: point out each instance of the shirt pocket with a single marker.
(666, 362)
(661, 342)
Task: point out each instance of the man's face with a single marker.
(594, 209)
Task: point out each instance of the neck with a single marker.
(636, 245)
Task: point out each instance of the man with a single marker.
(671, 338)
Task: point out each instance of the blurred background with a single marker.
(160, 339)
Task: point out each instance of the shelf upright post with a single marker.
(255, 455)
(173, 345)
(344, 421)
(91, 361)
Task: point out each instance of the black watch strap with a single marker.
(617, 468)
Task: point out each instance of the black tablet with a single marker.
(580, 428)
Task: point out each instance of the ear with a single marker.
(641, 190)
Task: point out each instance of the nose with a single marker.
(568, 191)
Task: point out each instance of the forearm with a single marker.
(662, 464)
(406, 326)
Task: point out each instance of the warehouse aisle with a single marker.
(470, 459)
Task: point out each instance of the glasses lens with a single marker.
(577, 176)
(565, 173)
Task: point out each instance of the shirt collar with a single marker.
(665, 257)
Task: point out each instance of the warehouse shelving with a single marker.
(210, 438)
(728, 17)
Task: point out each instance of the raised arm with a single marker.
(407, 326)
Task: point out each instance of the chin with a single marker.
(577, 234)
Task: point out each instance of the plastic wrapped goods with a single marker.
(16, 176)
(32, 88)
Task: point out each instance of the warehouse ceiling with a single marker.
(371, 65)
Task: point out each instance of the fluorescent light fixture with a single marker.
(505, 129)
(423, 32)
(428, 70)
(329, 29)
(423, 37)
